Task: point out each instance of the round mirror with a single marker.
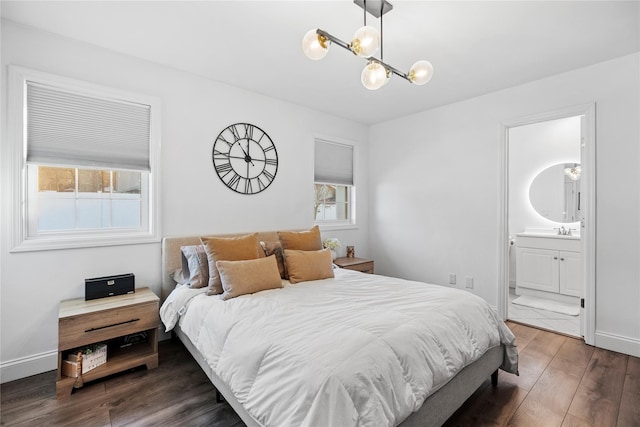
(555, 192)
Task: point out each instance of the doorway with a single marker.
(548, 217)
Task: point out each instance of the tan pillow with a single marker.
(248, 277)
(275, 248)
(301, 240)
(308, 265)
(228, 249)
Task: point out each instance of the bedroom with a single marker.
(453, 227)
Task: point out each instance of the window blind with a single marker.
(71, 129)
(333, 163)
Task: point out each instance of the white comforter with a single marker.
(355, 350)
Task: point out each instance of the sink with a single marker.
(549, 233)
(548, 236)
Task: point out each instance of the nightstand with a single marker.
(357, 264)
(108, 321)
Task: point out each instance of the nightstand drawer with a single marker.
(358, 264)
(365, 267)
(75, 331)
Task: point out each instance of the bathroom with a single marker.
(544, 212)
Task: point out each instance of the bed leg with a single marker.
(494, 378)
(219, 398)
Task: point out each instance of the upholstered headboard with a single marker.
(172, 257)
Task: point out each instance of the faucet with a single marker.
(565, 231)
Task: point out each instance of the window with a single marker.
(333, 186)
(86, 163)
(64, 199)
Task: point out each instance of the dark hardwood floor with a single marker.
(562, 382)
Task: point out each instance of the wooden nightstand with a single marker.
(357, 264)
(81, 323)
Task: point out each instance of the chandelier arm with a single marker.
(391, 68)
(381, 33)
(364, 9)
(333, 39)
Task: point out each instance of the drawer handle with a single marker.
(109, 326)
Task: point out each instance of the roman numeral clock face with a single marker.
(245, 158)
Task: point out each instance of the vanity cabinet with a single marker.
(548, 264)
(570, 273)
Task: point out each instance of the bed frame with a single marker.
(436, 409)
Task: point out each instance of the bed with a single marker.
(355, 349)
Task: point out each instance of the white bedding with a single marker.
(355, 350)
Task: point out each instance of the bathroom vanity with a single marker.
(549, 266)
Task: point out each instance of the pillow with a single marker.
(301, 240)
(248, 277)
(308, 265)
(275, 248)
(179, 277)
(195, 267)
(228, 249)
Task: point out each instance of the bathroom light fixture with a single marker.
(365, 43)
(573, 172)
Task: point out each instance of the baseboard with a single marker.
(617, 343)
(28, 366)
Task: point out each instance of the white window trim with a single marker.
(351, 223)
(21, 242)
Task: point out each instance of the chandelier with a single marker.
(366, 43)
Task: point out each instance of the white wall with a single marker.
(435, 198)
(194, 201)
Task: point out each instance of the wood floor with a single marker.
(562, 382)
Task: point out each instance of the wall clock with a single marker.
(245, 158)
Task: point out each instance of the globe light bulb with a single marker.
(374, 76)
(365, 42)
(421, 72)
(314, 45)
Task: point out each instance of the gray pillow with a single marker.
(195, 267)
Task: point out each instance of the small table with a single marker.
(358, 264)
(82, 323)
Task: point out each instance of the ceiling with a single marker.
(476, 47)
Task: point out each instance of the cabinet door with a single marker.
(570, 273)
(537, 269)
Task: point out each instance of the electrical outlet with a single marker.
(452, 278)
(469, 282)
